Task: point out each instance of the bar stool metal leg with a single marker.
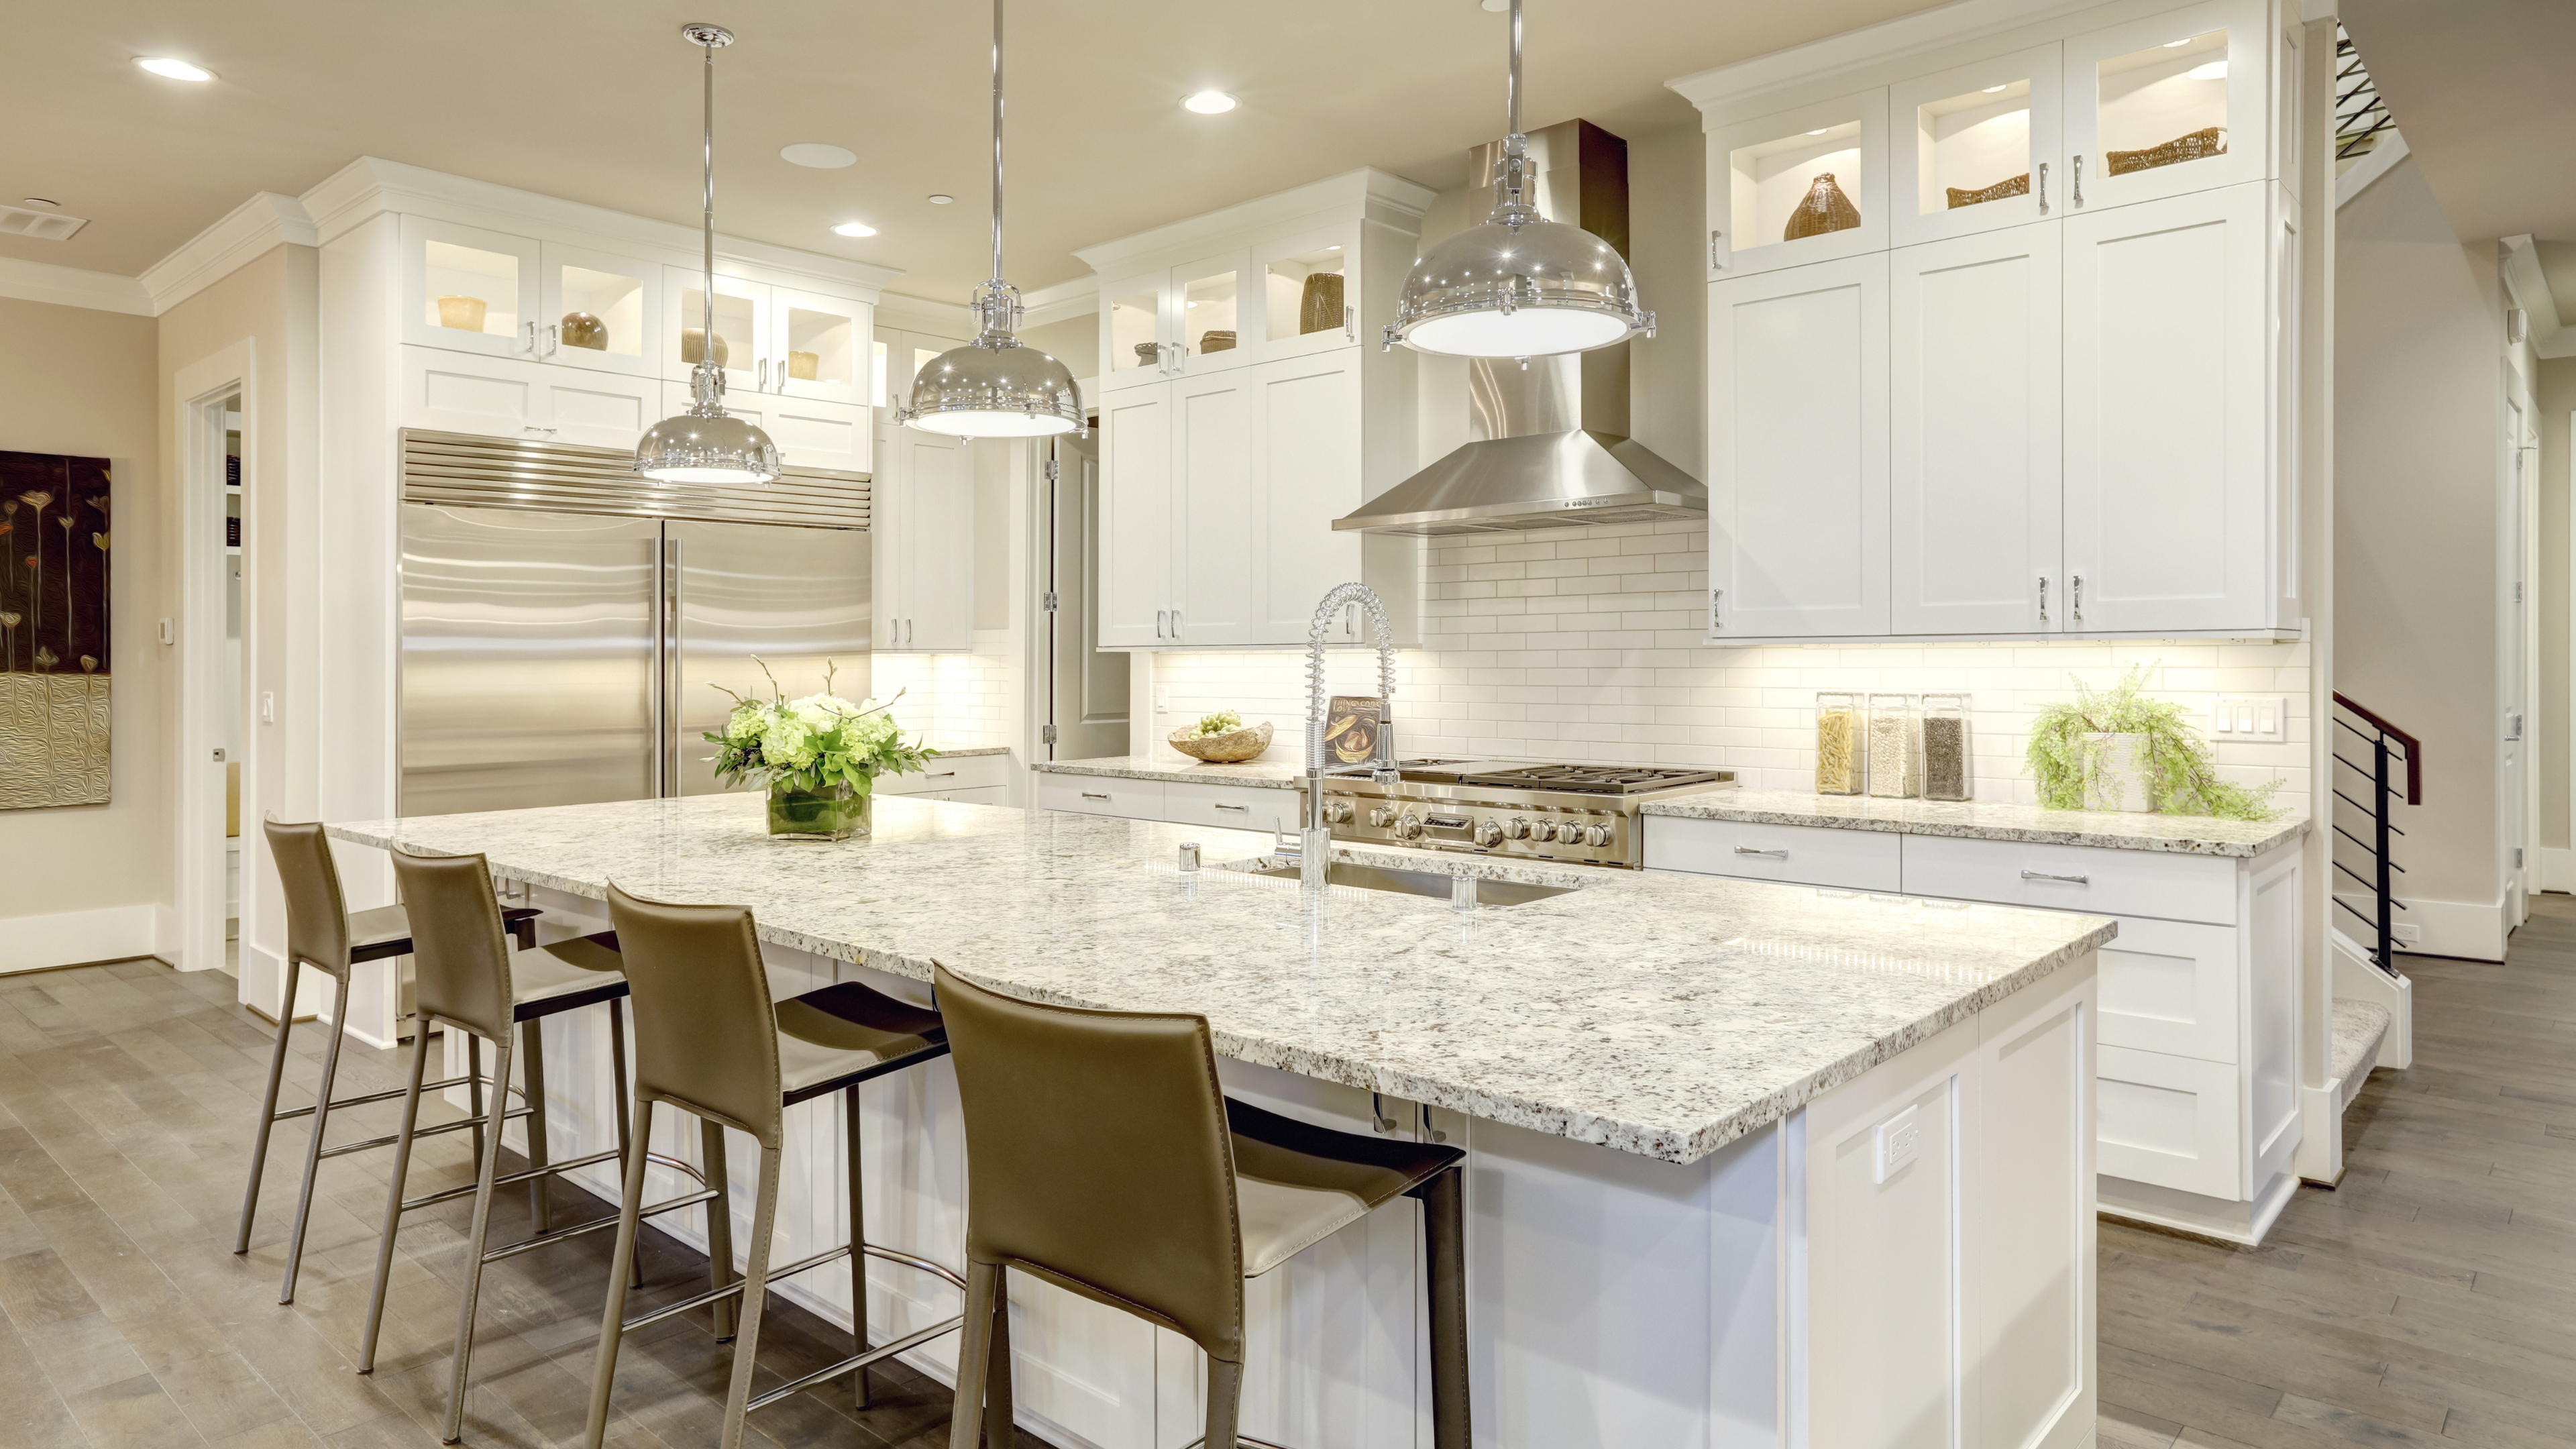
(711, 1145)
(755, 1292)
(1224, 1402)
(540, 1196)
(268, 1105)
(612, 1324)
(1444, 1224)
(490, 1168)
(625, 1112)
(313, 1146)
(474, 1089)
(393, 1203)
(998, 1431)
(858, 1233)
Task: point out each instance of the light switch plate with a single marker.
(2250, 717)
(1162, 699)
(1897, 1138)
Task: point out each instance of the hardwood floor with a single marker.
(128, 1095)
(2431, 1299)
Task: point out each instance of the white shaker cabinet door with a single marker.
(2167, 388)
(938, 541)
(1211, 460)
(1797, 455)
(1139, 581)
(1306, 467)
(1974, 483)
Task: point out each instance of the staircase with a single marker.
(2377, 766)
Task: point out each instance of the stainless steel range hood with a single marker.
(1551, 446)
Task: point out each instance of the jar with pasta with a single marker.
(1895, 749)
(1945, 748)
(1838, 744)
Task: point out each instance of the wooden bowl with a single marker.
(1232, 747)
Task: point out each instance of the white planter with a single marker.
(2115, 777)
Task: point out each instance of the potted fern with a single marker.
(2117, 749)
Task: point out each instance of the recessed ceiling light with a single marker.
(854, 228)
(1992, 90)
(1820, 130)
(1209, 103)
(2215, 70)
(2178, 44)
(162, 65)
(819, 155)
(940, 198)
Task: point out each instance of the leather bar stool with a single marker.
(1102, 1157)
(468, 979)
(322, 932)
(710, 1041)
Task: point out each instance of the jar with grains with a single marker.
(1895, 747)
(1838, 744)
(1945, 748)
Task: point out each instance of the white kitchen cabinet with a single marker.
(809, 433)
(1184, 320)
(742, 326)
(1306, 471)
(1211, 463)
(1974, 485)
(1963, 138)
(1101, 795)
(1295, 280)
(922, 527)
(2135, 87)
(821, 350)
(1140, 533)
(1860, 860)
(779, 341)
(599, 310)
(1797, 459)
(954, 777)
(2168, 413)
(470, 289)
(504, 397)
(1762, 172)
(1229, 807)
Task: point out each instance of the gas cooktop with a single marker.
(1584, 814)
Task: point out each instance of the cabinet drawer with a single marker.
(1799, 854)
(2172, 987)
(2073, 878)
(945, 776)
(1234, 807)
(1098, 795)
(980, 795)
(2170, 1121)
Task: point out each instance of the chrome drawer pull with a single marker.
(2069, 879)
(1087, 795)
(1246, 809)
(1774, 854)
(942, 775)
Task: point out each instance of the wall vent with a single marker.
(42, 225)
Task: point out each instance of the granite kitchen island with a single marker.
(1748, 1163)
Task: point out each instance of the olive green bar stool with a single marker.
(1102, 1157)
(468, 979)
(710, 1041)
(323, 933)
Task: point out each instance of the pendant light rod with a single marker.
(708, 44)
(1512, 96)
(997, 139)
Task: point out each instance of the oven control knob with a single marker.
(1489, 832)
(1382, 817)
(1337, 812)
(1410, 827)
(1597, 835)
(1519, 829)
(1543, 830)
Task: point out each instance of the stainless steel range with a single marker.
(1583, 814)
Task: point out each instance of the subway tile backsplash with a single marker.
(954, 701)
(1585, 644)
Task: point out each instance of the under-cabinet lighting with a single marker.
(173, 68)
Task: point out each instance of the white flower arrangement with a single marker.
(813, 743)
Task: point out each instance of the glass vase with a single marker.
(836, 813)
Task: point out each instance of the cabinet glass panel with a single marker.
(1974, 148)
(737, 322)
(1305, 293)
(2165, 105)
(1207, 313)
(1797, 186)
(819, 347)
(468, 289)
(1136, 330)
(603, 311)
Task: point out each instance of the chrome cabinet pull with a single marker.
(554, 339)
(2078, 611)
(1176, 623)
(1239, 809)
(1087, 795)
(2068, 879)
(1712, 249)
(907, 631)
(1161, 616)
(1716, 616)
(532, 339)
(1350, 323)
(942, 775)
(2079, 179)
(1774, 854)
(2043, 188)
(2043, 598)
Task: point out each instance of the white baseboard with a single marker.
(2557, 868)
(2353, 978)
(2210, 1217)
(2466, 929)
(73, 938)
(2320, 1156)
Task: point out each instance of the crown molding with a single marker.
(248, 231)
(1369, 192)
(1889, 40)
(923, 314)
(1062, 302)
(73, 287)
(2550, 337)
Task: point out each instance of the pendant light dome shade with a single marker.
(995, 386)
(706, 444)
(1518, 285)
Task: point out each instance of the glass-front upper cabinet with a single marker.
(1308, 287)
(742, 327)
(599, 311)
(1978, 147)
(820, 351)
(1177, 321)
(1807, 185)
(1207, 314)
(1131, 330)
(2175, 103)
(469, 290)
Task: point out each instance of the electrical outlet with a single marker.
(1162, 699)
(1898, 1136)
(2411, 935)
(2250, 717)
(268, 706)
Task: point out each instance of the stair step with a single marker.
(2359, 1028)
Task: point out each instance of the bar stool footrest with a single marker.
(856, 1361)
(527, 1245)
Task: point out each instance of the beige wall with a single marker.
(1075, 342)
(81, 382)
(2554, 398)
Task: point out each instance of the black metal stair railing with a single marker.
(2387, 746)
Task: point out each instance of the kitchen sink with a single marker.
(1433, 884)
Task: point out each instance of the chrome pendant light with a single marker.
(1518, 285)
(995, 386)
(706, 444)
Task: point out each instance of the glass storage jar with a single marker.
(1945, 748)
(1895, 747)
(1838, 743)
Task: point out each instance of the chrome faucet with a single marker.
(1315, 840)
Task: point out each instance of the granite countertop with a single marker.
(1278, 773)
(1658, 1014)
(1990, 820)
(946, 754)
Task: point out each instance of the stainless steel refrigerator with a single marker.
(566, 625)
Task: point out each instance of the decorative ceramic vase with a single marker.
(1216, 342)
(1149, 354)
(834, 814)
(2017, 186)
(2115, 773)
(693, 345)
(2208, 141)
(1232, 747)
(805, 366)
(465, 314)
(1825, 209)
(1319, 306)
(580, 329)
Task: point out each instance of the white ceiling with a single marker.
(597, 101)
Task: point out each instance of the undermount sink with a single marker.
(1433, 884)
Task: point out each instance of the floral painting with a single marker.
(54, 663)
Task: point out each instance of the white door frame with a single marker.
(199, 638)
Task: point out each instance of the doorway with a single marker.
(2515, 811)
(223, 703)
(1082, 690)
